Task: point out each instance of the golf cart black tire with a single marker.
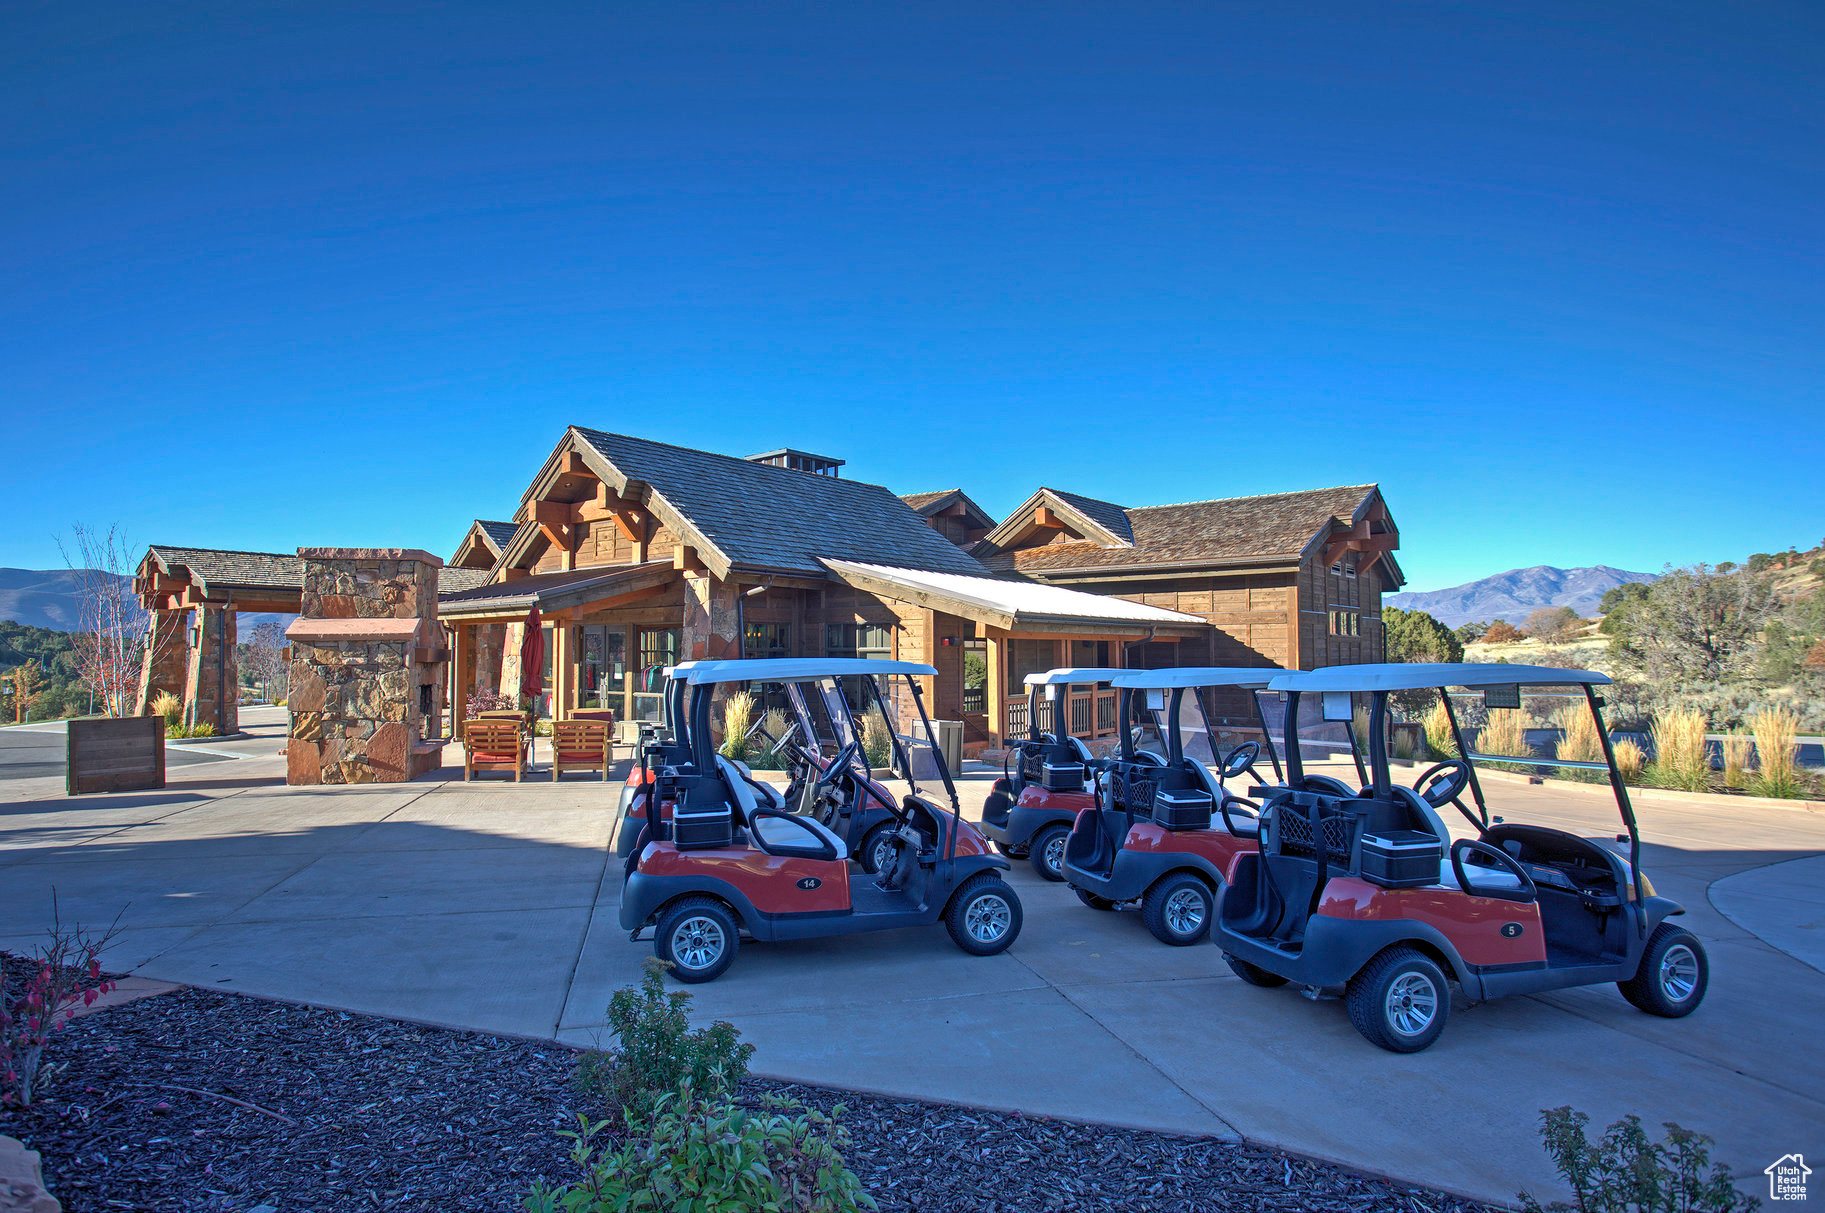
(865, 856)
(690, 907)
(956, 913)
(1644, 990)
(1367, 999)
(1254, 975)
(1092, 900)
(1042, 842)
(1153, 908)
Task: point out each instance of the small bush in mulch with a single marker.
(204, 1101)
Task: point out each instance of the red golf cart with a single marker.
(1047, 777)
(727, 861)
(820, 725)
(1164, 830)
(1368, 896)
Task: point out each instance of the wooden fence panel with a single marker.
(122, 755)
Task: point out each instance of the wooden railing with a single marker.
(1088, 713)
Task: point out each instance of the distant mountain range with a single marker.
(46, 598)
(1518, 593)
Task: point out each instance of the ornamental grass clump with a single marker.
(1631, 760)
(1739, 750)
(1626, 1171)
(1777, 753)
(737, 719)
(170, 707)
(763, 757)
(1506, 733)
(1579, 740)
(1437, 724)
(1681, 759)
(656, 1050)
(877, 741)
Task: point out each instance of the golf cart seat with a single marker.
(739, 774)
(1247, 826)
(773, 829)
(1079, 748)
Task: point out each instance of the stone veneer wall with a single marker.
(354, 679)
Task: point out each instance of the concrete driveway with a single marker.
(493, 907)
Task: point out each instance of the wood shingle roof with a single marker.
(763, 517)
(1234, 530)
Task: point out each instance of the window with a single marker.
(1346, 623)
(658, 648)
(602, 666)
(858, 640)
(767, 640)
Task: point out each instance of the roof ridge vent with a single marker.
(798, 461)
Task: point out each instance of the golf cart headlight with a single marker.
(1647, 886)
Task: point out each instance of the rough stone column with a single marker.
(368, 614)
(212, 685)
(711, 627)
(167, 659)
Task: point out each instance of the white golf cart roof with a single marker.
(1419, 676)
(1070, 675)
(682, 668)
(796, 669)
(1198, 676)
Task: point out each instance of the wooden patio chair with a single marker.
(580, 745)
(493, 745)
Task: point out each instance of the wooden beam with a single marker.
(1045, 518)
(574, 465)
(686, 560)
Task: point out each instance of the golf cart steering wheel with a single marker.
(1443, 783)
(838, 766)
(759, 729)
(1240, 761)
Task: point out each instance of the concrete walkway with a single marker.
(491, 906)
(1783, 905)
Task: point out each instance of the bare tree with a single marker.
(111, 632)
(1552, 624)
(265, 656)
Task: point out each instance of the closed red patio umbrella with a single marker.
(532, 656)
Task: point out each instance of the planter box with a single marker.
(125, 755)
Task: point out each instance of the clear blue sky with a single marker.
(319, 274)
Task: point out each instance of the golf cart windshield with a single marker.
(821, 711)
(1325, 747)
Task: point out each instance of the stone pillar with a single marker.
(167, 658)
(711, 627)
(212, 686)
(369, 616)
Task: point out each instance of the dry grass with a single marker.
(1739, 749)
(1631, 760)
(737, 719)
(1579, 741)
(1406, 745)
(1506, 733)
(1437, 724)
(1777, 751)
(169, 706)
(1680, 760)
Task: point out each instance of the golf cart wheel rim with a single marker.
(1184, 911)
(883, 854)
(1055, 854)
(988, 918)
(697, 942)
(1678, 972)
(1412, 1004)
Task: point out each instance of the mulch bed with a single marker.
(300, 1109)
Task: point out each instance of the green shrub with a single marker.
(1625, 1171)
(657, 1049)
(709, 1156)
